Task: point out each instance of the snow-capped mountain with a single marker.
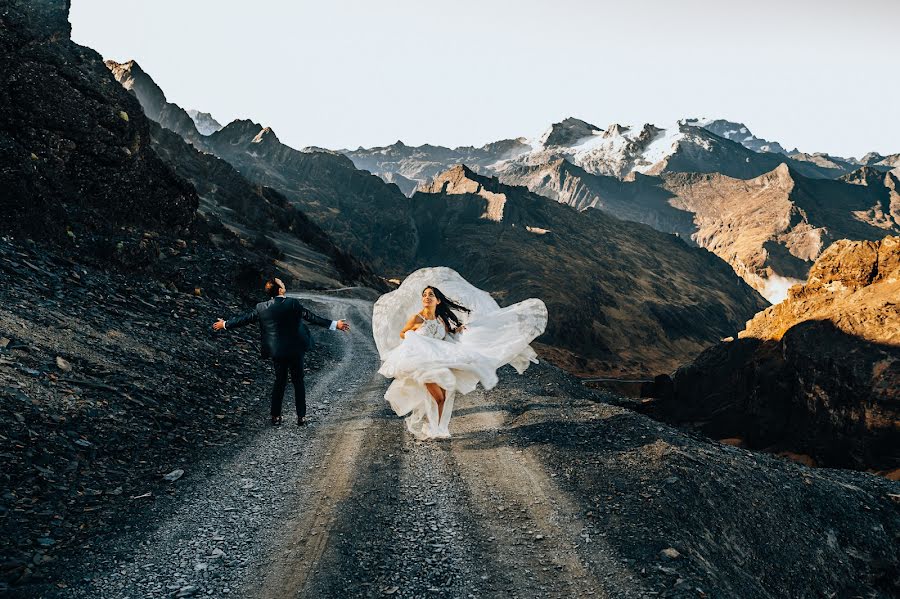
(621, 151)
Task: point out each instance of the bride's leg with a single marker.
(439, 396)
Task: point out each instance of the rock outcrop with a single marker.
(817, 374)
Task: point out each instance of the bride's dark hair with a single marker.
(445, 308)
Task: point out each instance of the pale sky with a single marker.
(820, 75)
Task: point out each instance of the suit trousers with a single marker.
(294, 366)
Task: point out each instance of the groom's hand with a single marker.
(219, 325)
(343, 325)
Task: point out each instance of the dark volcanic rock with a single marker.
(74, 146)
(818, 373)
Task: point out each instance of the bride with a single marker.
(435, 347)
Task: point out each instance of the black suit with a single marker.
(284, 338)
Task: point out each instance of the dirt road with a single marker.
(541, 492)
(354, 506)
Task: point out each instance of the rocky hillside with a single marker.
(817, 374)
(772, 227)
(258, 213)
(76, 155)
(263, 217)
(364, 215)
(324, 185)
(769, 228)
(599, 276)
(640, 198)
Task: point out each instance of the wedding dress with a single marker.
(493, 336)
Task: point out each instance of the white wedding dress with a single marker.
(493, 336)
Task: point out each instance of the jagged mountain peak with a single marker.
(245, 129)
(865, 175)
(871, 158)
(615, 130)
(737, 132)
(568, 131)
(462, 172)
(204, 121)
(266, 135)
(130, 74)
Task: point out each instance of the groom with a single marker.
(284, 339)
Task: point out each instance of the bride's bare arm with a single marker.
(411, 325)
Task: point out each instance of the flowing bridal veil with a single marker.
(494, 336)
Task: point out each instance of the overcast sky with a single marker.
(817, 74)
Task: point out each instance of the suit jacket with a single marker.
(281, 328)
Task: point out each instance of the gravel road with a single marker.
(541, 492)
(354, 506)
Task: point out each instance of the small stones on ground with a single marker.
(174, 475)
(670, 552)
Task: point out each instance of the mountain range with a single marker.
(766, 211)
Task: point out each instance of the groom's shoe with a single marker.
(301, 421)
(276, 420)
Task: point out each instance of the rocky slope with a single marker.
(769, 228)
(76, 149)
(818, 373)
(324, 185)
(363, 214)
(258, 213)
(622, 296)
(153, 100)
(640, 198)
(263, 217)
(772, 227)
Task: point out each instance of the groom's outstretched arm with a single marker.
(238, 321)
(322, 322)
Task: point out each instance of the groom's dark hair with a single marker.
(272, 287)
